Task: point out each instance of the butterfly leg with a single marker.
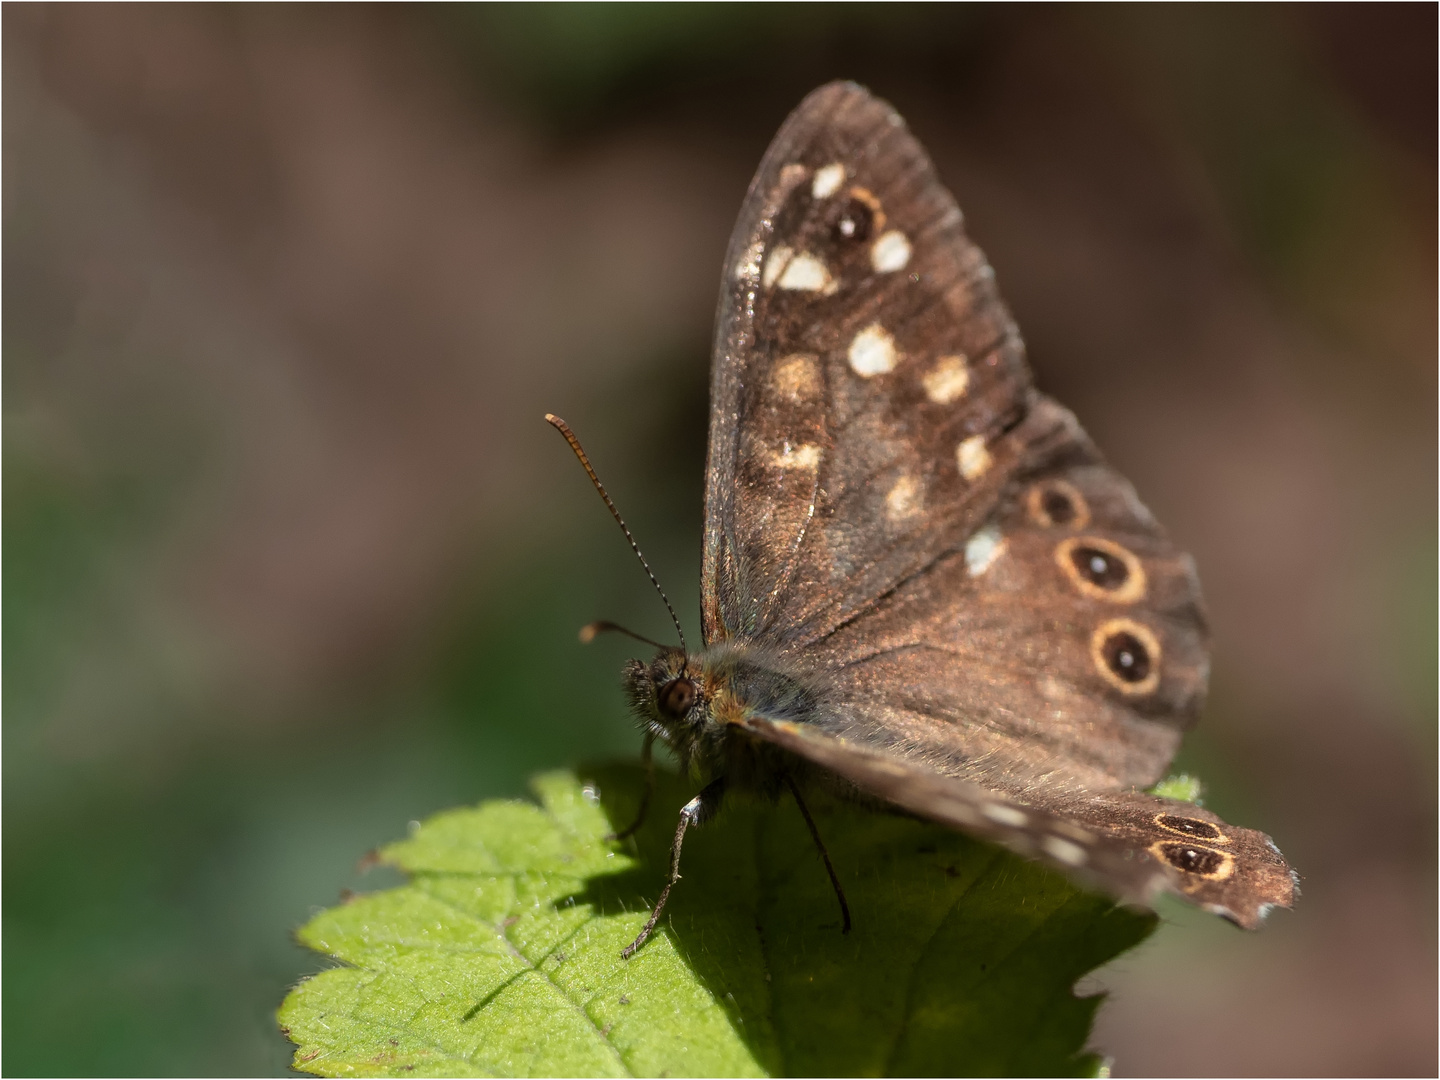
(815, 835)
(696, 812)
(646, 756)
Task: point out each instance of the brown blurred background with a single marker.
(290, 558)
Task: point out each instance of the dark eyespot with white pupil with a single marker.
(1192, 860)
(1058, 507)
(1201, 830)
(676, 697)
(1127, 657)
(855, 221)
(1098, 567)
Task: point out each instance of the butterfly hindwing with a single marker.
(1132, 845)
(865, 372)
(1004, 661)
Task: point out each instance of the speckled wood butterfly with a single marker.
(922, 584)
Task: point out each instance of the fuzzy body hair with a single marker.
(732, 682)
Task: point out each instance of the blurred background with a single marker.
(290, 558)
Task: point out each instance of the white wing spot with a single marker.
(806, 273)
(804, 456)
(971, 455)
(982, 549)
(904, 499)
(1068, 853)
(1074, 832)
(778, 259)
(827, 180)
(948, 380)
(872, 352)
(890, 252)
(797, 378)
(1005, 815)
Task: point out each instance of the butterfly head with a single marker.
(670, 698)
(694, 703)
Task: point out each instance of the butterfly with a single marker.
(922, 584)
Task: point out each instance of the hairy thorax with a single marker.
(694, 704)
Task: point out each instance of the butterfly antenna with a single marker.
(590, 631)
(564, 429)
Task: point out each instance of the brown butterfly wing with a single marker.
(1004, 661)
(1131, 845)
(865, 370)
(995, 618)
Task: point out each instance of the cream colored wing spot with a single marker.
(1055, 504)
(973, 457)
(1074, 832)
(806, 273)
(797, 377)
(775, 264)
(804, 456)
(947, 381)
(1194, 860)
(1127, 656)
(827, 180)
(791, 175)
(982, 549)
(890, 252)
(798, 272)
(872, 352)
(1101, 569)
(1068, 852)
(1193, 828)
(1005, 815)
(904, 500)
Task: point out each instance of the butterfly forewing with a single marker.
(864, 373)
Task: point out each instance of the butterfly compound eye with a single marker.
(676, 697)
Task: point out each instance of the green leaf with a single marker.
(501, 956)
(1181, 786)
